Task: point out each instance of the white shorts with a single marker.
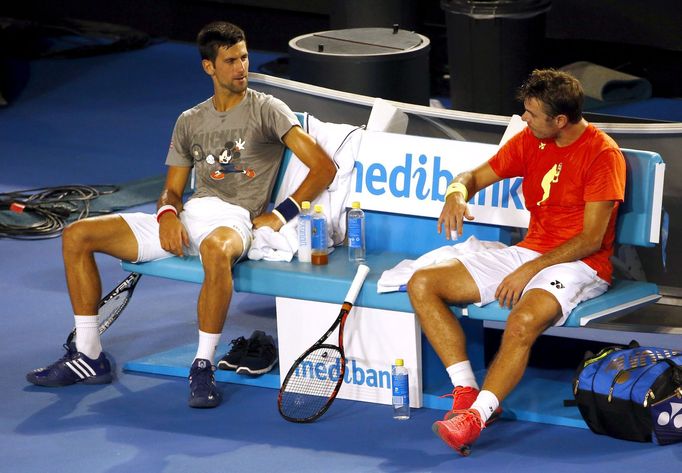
(200, 216)
(571, 283)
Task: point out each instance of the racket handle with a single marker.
(356, 285)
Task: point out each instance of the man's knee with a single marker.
(219, 251)
(419, 284)
(524, 327)
(78, 236)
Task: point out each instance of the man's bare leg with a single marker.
(533, 314)
(219, 251)
(431, 291)
(80, 241)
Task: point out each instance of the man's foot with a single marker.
(203, 391)
(461, 430)
(74, 367)
(462, 398)
(234, 356)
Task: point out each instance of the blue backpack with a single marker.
(632, 393)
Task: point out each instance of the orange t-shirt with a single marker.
(558, 181)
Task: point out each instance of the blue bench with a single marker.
(393, 237)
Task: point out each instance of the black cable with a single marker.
(47, 209)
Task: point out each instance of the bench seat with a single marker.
(330, 283)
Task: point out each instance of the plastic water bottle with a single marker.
(356, 234)
(401, 390)
(320, 253)
(304, 233)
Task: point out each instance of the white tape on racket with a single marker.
(358, 280)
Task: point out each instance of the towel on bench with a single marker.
(341, 142)
(396, 278)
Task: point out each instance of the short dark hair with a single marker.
(217, 35)
(559, 92)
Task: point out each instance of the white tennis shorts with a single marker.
(571, 283)
(200, 216)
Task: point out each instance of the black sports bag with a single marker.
(632, 393)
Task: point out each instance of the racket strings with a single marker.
(313, 384)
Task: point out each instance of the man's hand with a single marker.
(453, 214)
(267, 219)
(510, 289)
(172, 234)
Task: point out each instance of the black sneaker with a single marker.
(261, 355)
(203, 391)
(234, 356)
(74, 367)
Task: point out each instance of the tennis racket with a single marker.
(305, 396)
(111, 306)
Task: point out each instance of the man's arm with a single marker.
(321, 172)
(595, 222)
(172, 233)
(455, 209)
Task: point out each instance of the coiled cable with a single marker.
(47, 209)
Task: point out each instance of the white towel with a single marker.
(270, 245)
(396, 278)
(341, 143)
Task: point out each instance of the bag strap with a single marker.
(677, 371)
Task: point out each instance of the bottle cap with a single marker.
(399, 362)
(305, 205)
(318, 208)
(355, 205)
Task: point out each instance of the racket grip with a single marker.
(356, 285)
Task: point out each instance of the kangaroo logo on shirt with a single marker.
(552, 177)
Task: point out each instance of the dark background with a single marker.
(633, 36)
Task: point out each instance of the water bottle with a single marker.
(320, 253)
(304, 233)
(401, 390)
(356, 234)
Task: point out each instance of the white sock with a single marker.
(87, 336)
(461, 374)
(208, 344)
(486, 403)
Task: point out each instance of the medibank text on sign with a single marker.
(409, 175)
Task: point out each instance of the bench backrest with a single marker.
(395, 231)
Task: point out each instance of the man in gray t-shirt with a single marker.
(236, 153)
(234, 142)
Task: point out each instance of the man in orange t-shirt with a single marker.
(573, 182)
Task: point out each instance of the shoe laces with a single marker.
(202, 377)
(238, 344)
(459, 391)
(466, 419)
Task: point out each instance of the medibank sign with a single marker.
(409, 175)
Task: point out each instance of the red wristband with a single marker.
(163, 209)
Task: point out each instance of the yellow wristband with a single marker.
(457, 187)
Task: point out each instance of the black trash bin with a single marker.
(390, 63)
(492, 47)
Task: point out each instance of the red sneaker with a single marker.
(461, 431)
(462, 398)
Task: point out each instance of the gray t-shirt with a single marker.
(236, 154)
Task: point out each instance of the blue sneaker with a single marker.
(203, 391)
(74, 367)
